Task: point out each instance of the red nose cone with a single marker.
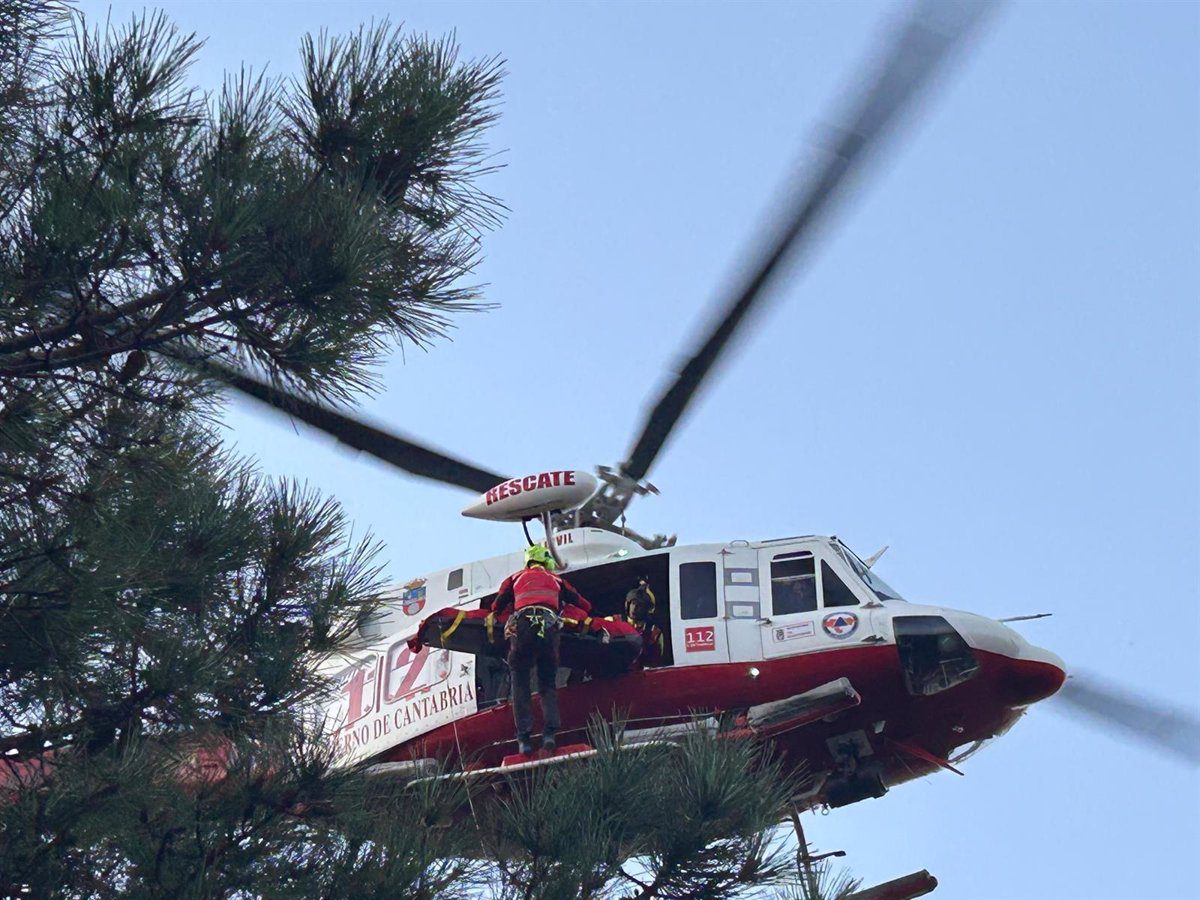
(1032, 680)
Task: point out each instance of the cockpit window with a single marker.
(793, 583)
(835, 590)
(881, 588)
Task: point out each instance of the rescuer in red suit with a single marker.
(640, 606)
(537, 597)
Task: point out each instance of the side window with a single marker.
(455, 580)
(793, 584)
(698, 590)
(836, 592)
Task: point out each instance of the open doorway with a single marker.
(605, 586)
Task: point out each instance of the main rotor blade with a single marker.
(916, 53)
(398, 451)
(1162, 728)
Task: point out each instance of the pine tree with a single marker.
(163, 609)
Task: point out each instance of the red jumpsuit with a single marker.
(537, 598)
(538, 586)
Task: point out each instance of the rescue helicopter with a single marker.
(796, 639)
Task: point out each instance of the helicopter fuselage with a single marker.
(746, 624)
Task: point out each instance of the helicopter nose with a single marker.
(1035, 675)
(1027, 672)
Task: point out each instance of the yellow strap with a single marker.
(490, 622)
(457, 621)
(587, 621)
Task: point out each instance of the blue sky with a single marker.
(989, 363)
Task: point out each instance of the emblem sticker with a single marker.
(697, 640)
(792, 632)
(412, 597)
(840, 624)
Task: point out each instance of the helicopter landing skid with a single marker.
(519, 764)
(575, 751)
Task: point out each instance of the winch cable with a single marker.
(458, 746)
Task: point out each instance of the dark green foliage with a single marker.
(162, 564)
(278, 824)
(691, 820)
(306, 225)
(164, 606)
(164, 611)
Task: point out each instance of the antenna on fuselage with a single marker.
(875, 557)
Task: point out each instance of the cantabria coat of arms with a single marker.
(412, 597)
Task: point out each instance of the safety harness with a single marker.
(541, 619)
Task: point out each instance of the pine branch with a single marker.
(71, 328)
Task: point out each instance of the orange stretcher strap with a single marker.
(490, 624)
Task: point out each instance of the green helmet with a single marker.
(537, 555)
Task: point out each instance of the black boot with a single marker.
(524, 744)
(548, 743)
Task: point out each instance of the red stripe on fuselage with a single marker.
(979, 708)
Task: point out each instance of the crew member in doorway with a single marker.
(640, 606)
(537, 597)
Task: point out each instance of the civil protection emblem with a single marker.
(840, 624)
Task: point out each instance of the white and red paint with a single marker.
(700, 640)
(531, 495)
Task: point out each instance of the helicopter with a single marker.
(796, 639)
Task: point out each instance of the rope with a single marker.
(454, 727)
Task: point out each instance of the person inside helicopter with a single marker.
(537, 597)
(640, 608)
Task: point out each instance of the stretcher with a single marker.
(598, 647)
